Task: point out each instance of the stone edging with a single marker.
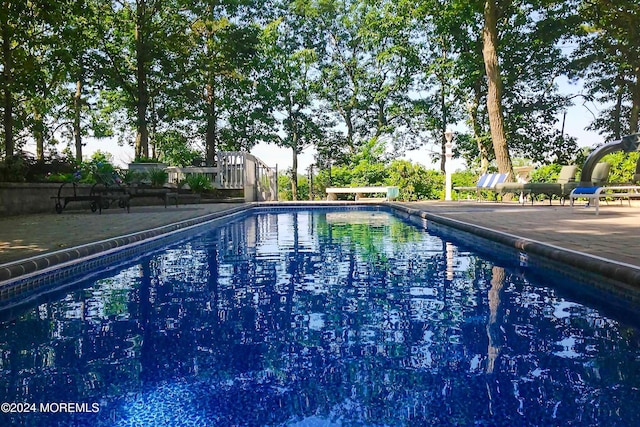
(16, 269)
(624, 273)
(620, 272)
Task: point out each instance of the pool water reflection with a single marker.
(320, 318)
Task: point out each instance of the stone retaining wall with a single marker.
(20, 198)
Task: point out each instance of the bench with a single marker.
(390, 192)
(98, 200)
(596, 193)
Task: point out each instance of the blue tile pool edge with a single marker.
(91, 255)
(623, 280)
(29, 274)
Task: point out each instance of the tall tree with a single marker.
(48, 59)
(608, 60)
(291, 63)
(138, 40)
(80, 38)
(366, 62)
(18, 29)
(521, 62)
(490, 40)
(224, 39)
(438, 24)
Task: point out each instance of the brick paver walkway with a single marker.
(30, 235)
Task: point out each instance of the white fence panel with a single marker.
(235, 170)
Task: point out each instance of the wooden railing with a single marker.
(235, 170)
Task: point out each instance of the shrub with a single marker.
(142, 159)
(98, 166)
(197, 183)
(414, 181)
(546, 173)
(365, 173)
(14, 168)
(463, 179)
(51, 169)
(135, 177)
(623, 166)
(61, 177)
(284, 187)
(159, 177)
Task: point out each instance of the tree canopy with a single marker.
(176, 76)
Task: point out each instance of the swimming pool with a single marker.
(319, 318)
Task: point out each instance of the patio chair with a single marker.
(486, 182)
(598, 190)
(562, 187)
(566, 182)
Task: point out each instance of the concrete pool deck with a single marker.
(612, 235)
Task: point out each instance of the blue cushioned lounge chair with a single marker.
(486, 182)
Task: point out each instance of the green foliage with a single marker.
(158, 177)
(607, 60)
(334, 74)
(13, 169)
(414, 181)
(175, 149)
(100, 165)
(284, 187)
(142, 159)
(341, 176)
(623, 166)
(465, 178)
(197, 183)
(135, 176)
(546, 173)
(60, 177)
(368, 174)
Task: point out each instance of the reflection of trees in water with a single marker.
(493, 326)
(342, 323)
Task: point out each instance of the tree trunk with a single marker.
(7, 90)
(212, 123)
(348, 121)
(493, 326)
(483, 150)
(445, 120)
(617, 114)
(142, 135)
(494, 93)
(294, 171)
(77, 115)
(381, 118)
(635, 107)
(38, 134)
(442, 77)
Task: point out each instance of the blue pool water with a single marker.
(318, 318)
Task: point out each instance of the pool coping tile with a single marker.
(626, 276)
